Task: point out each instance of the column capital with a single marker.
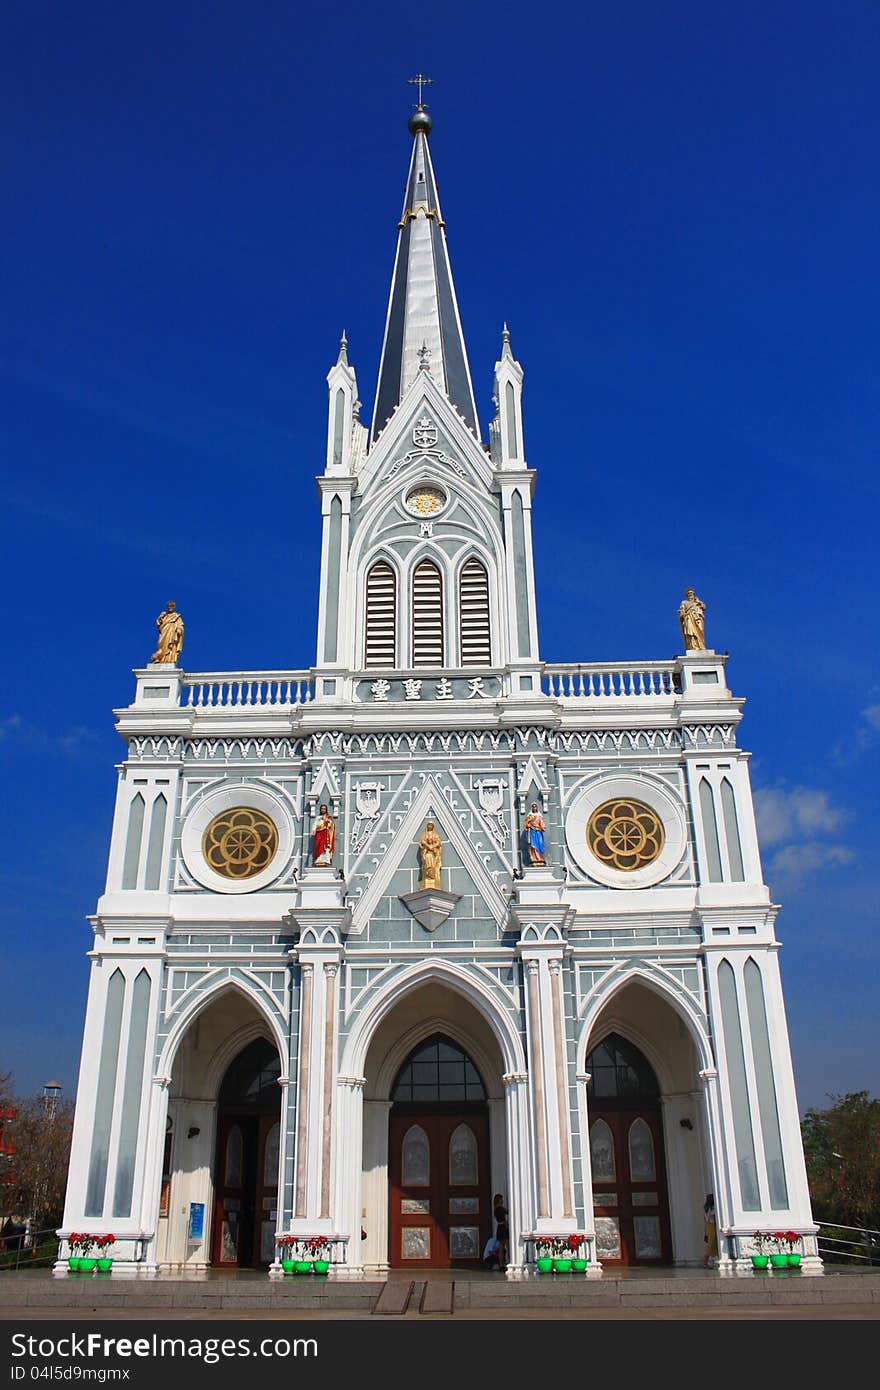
(708, 1074)
(163, 1082)
(585, 1076)
(515, 1078)
(353, 1083)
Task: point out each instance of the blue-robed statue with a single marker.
(534, 828)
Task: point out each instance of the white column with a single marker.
(154, 1147)
(521, 1203)
(348, 1158)
(375, 1184)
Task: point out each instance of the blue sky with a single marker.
(676, 209)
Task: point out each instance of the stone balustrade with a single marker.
(594, 682)
(644, 680)
(247, 689)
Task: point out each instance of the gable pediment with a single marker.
(429, 803)
(426, 426)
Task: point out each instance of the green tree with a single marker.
(842, 1150)
(33, 1176)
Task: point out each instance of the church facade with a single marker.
(433, 920)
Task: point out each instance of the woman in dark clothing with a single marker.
(502, 1230)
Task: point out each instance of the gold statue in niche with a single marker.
(691, 615)
(170, 625)
(431, 849)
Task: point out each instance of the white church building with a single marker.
(433, 920)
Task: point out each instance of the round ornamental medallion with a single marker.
(625, 834)
(240, 843)
(425, 500)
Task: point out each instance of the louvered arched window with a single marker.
(427, 615)
(473, 614)
(380, 647)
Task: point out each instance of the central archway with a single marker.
(439, 1212)
(421, 1003)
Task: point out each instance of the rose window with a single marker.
(240, 843)
(625, 834)
(425, 500)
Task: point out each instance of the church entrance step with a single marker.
(394, 1299)
(438, 1297)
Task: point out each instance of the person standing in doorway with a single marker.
(502, 1230)
(710, 1231)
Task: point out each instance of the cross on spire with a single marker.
(420, 81)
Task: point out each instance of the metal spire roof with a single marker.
(422, 308)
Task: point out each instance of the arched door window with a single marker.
(641, 1152)
(463, 1157)
(416, 1165)
(602, 1152)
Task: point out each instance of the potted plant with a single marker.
(319, 1249)
(574, 1243)
(84, 1243)
(105, 1262)
(759, 1259)
(779, 1257)
(73, 1240)
(561, 1256)
(303, 1263)
(793, 1239)
(544, 1247)
(286, 1244)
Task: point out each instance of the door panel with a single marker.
(246, 1190)
(630, 1201)
(438, 1190)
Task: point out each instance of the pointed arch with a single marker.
(668, 990)
(456, 977)
(269, 1025)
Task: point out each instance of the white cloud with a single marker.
(801, 823)
(792, 864)
(872, 716)
(798, 814)
(17, 731)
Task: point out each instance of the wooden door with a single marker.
(246, 1190)
(440, 1213)
(630, 1199)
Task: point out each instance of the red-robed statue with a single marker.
(325, 838)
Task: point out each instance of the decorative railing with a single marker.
(274, 690)
(247, 689)
(644, 680)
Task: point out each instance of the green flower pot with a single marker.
(578, 1266)
(794, 1260)
(303, 1266)
(105, 1264)
(73, 1264)
(288, 1266)
(320, 1266)
(760, 1261)
(779, 1261)
(562, 1266)
(87, 1266)
(545, 1264)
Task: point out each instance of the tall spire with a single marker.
(422, 308)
